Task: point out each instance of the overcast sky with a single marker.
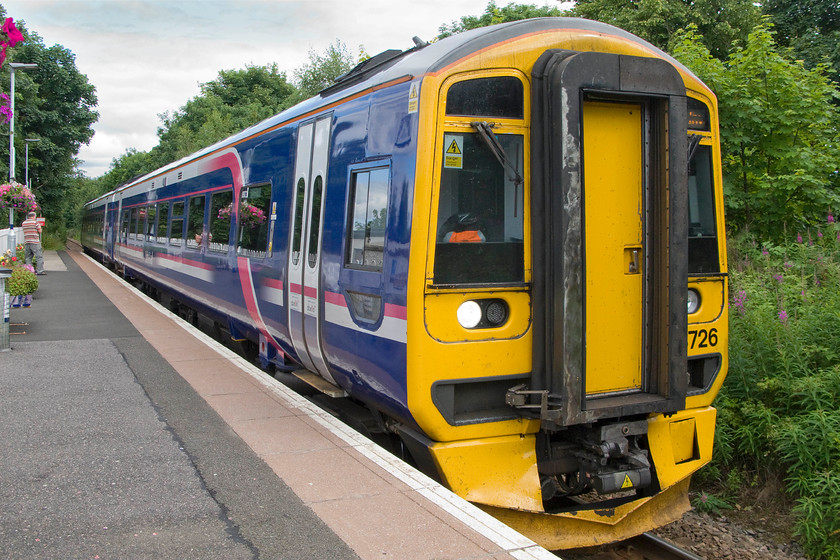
(146, 57)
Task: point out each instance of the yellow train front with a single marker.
(567, 287)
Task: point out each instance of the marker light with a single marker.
(693, 301)
(469, 314)
(496, 313)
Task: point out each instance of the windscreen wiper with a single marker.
(485, 132)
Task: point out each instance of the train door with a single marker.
(614, 246)
(303, 279)
(609, 206)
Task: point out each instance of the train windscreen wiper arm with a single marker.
(485, 132)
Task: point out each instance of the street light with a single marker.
(28, 141)
(12, 67)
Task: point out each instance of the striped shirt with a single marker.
(31, 231)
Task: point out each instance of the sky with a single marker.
(147, 57)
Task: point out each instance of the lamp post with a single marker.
(12, 67)
(28, 141)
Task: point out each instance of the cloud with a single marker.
(147, 57)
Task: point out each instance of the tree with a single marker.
(232, 102)
(322, 70)
(55, 103)
(723, 24)
(493, 15)
(811, 28)
(778, 130)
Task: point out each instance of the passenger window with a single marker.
(176, 235)
(221, 206)
(150, 226)
(702, 235)
(480, 225)
(315, 221)
(133, 222)
(499, 96)
(368, 220)
(253, 221)
(195, 222)
(163, 221)
(126, 220)
(297, 234)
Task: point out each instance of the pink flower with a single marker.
(799, 238)
(783, 316)
(830, 218)
(12, 32)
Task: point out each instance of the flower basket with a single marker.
(22, 281)
(14, 196)
(249, 215)
(9, 259)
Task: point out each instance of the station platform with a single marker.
(128, 433)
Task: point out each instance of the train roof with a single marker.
(424, 58)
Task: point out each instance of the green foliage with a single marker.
(723, 24)
(778, 132)
(811, 28)
(707, 503)
(22, 281)
(779, 410)
(321, 70)
(232, 102)
(494, 14)
(56, 103)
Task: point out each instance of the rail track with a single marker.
(644, 547)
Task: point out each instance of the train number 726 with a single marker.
(702, 338)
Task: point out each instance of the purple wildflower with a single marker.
(783, 316)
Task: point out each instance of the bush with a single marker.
(23, 281)
(780, 405)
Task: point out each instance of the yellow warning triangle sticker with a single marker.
(453, 148)
(413, 93)
(627, 482)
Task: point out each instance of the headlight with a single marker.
(469, 314)
(693, 301)
(483, 313)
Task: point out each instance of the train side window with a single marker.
(141, 222)
(702, 233)
(297, 234)
(221, 208)
(124, 226)
(315, 221)
(368, 219)
(498, 96)
(149, 229)
(195, 222)
(163, 221)
(176, 234)
(253, 221)
(480, 225)
(133, 220)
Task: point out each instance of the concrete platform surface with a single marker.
(128, 433)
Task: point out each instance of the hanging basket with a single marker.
(249, 215)
(14, 196)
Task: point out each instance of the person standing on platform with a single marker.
(32, 242)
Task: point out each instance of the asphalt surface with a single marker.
(106, 452)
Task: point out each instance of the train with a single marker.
(505, 247)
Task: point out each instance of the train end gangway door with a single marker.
(304, 265)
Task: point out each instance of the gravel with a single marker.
(720, 538)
